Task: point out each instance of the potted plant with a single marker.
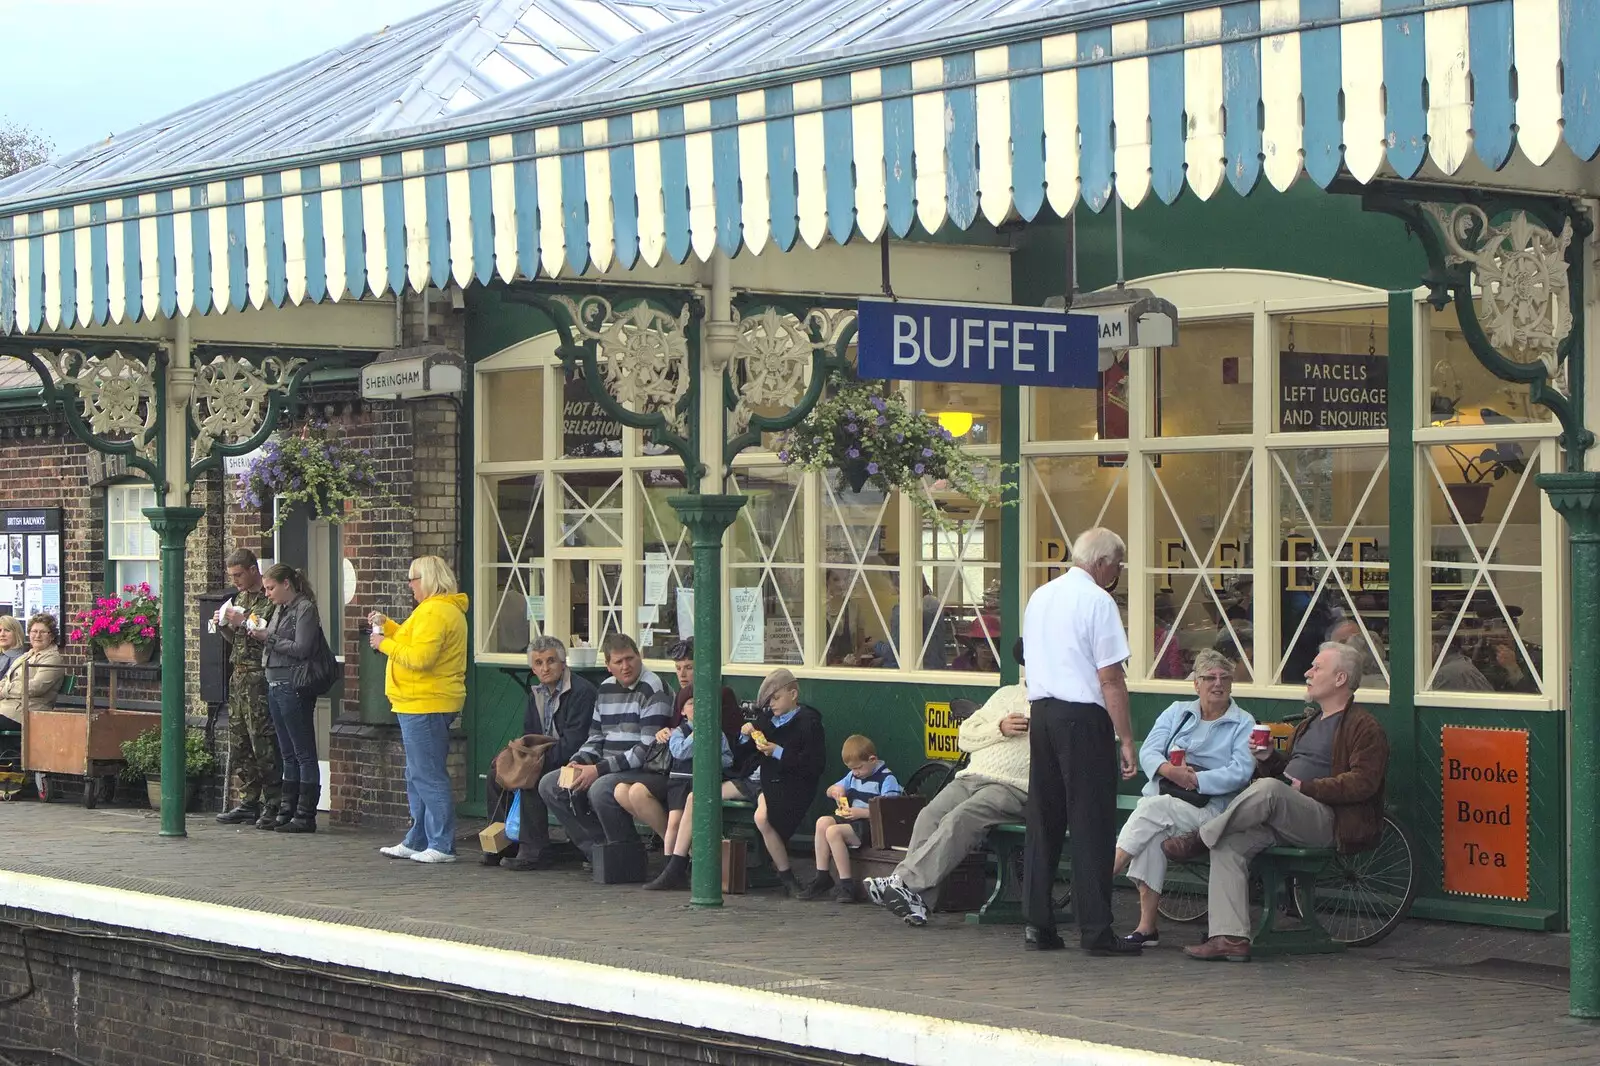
(142, 755)
(1478, 474)
(314, 469)
(871, 436)
(124, 628)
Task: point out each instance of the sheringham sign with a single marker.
(995, 345)
(411, 374)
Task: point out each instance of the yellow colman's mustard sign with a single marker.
(939, 732)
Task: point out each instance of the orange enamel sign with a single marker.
(1485, 794)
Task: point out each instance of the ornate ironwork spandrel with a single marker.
(233, 399)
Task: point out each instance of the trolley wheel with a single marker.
(91, 792)
(929, 778)
(1183, 896)
(49, 789)
(1362, 898)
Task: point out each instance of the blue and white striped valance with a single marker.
(1233, 93)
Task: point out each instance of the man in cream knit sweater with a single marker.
(992, 789)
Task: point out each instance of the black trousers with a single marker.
(1072, 784)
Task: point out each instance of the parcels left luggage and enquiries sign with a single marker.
(985, 343)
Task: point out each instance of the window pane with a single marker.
(1333, 507)
(860, 537)
(1460, 390)
(587, 431)
(117, 541)
(133, 573)
(667, 563)
(960, 574)
(1085, 414)
(1333, 370)
(1203, 384)
(970, 412)
(510, 627)
(1067, 495)
(1484, 550)
(116, 503)
(766, 551)
(513, 413)
(591, 510)
(1202, 588)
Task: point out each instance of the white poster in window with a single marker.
(535, 608)
(649, 613)
(35, 555)
(656, 570)
(8, 595)
(51, 596)
(18, 542)
(32, 596)
(685, 613)
(749, 625)
(52, 554)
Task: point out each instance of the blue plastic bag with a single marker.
(514, 817)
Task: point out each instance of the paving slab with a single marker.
(1431, 993)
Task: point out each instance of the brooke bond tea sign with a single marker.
(1485, 812)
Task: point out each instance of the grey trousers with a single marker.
(954, 824)
(1268, 812)
(594, 816)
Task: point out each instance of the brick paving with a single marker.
(1414, 999)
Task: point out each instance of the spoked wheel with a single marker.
(929, 778)
(1183, 896)
(1361, 898)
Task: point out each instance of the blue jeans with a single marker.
(433, 809)
(294, 719)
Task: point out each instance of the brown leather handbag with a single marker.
(521, 764)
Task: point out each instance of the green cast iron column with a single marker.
(173, 525)
(1010, 532)
(1400, 723)
(1576, 496)
(707, 518)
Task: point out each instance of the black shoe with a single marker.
(489, 858)
(1036, 939)
(525, 863)
(673, 877)
(304, 819)
(790, 886)
(245, 812)
(819, 886)
(1108, 945)
(845, 891)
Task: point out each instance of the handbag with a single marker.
(658, 759)
(1188, 795)
(521, 763)
(317, 674)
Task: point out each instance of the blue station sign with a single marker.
(987, 343)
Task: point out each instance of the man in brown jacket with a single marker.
(1325, 791)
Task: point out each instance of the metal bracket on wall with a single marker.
(1512, 266)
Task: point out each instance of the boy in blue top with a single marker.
(847, 827)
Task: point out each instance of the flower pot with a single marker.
(855, 474)
(152, 789)
(1470, 500)
(128, 653)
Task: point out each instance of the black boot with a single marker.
(270, 812)
(305, 815)
(674, 876)
(287, 805)
(244, 812)
(819, 886)
(790, 886)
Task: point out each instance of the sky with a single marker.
(78, 70)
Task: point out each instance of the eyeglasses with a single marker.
(1216, 679)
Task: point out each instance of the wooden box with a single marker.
(892, 818)
(964, 890)
(735, 873)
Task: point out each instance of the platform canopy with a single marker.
(752, 124)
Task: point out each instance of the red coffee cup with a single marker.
(1176, 756)
(1261, 736)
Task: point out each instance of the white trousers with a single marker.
(1155, 819)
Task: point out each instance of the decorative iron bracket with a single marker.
(1521, 259)
(111, 395)
(651, 354)
(785, 353)
(237, 403)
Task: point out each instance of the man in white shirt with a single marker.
(1079, 695)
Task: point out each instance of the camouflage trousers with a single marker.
(257, 766)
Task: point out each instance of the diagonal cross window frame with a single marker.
(517, 566)
(767, 567)
(857, 564)
(958, 565)
(596, 512)
(1067, 538)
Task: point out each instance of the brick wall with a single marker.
(119, 998)
(367, 775)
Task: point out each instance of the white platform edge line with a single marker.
(908, 1038)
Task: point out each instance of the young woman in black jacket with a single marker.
(793, 751)
(289, 640)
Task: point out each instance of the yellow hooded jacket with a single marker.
(427, 672)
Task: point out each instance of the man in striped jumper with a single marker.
(630, 707)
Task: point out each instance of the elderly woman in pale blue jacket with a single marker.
(1213, 732)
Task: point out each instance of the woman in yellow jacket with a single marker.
(426, 682)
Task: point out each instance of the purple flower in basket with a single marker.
(851, 428)
(882, 421)
(927, 453)
(872, 468)
(783, 457)
(854, 453)
(877, 401)
(917, 468)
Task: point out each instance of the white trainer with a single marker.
(398, 851)
(432, 856)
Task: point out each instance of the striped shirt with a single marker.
(861, 791)
(626, 721)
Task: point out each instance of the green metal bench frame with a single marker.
(1004, 843)
(1285, 870)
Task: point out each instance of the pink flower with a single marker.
(148, 631)
(116, 625)
(127, 588)
(140, 620)
(77, 634)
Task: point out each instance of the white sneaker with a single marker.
(398, 851)
(432, 856)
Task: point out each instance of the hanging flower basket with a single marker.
(314, 470)
(867, 437)
(124, 627)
